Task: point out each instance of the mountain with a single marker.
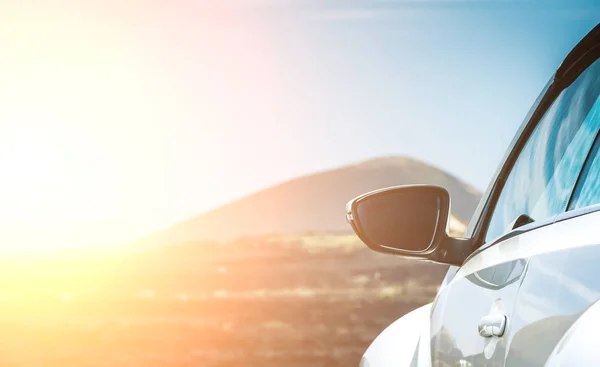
(316, 203)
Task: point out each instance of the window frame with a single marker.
(574, 65)
(582, 177)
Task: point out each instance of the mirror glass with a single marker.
(400, 219)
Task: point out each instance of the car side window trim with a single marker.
(513, 151)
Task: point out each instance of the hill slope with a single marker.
(316, 202)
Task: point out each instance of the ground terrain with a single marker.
(312, 300)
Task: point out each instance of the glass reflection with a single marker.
(546, 171)
(403, 219)
(588, 191)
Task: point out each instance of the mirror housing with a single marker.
(409, 221)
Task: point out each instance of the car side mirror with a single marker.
(410, 221)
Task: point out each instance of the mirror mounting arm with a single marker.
(452, 251)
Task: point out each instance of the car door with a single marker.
(476, 302)
(562, 280)
(477, 317)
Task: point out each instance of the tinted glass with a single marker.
(588, 191)
(405, 219)
(544, 175)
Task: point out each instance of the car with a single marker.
(523, 284)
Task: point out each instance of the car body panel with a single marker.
(546, 281)
(561, 285)
(398, 344)
(487, 284)
(577, 348)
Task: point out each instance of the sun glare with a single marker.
(65, 169)
(109, 124)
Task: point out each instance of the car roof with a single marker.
(583, 54)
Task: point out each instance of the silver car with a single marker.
(523, 284)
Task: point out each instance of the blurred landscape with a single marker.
(315, 300)
(316, 203)
(298, 298)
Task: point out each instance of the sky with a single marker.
(120, 118)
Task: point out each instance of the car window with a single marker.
(587, 192)
(545, 173)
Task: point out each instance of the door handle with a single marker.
(492, 325)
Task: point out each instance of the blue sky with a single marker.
(123, 117)
(445, 81)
